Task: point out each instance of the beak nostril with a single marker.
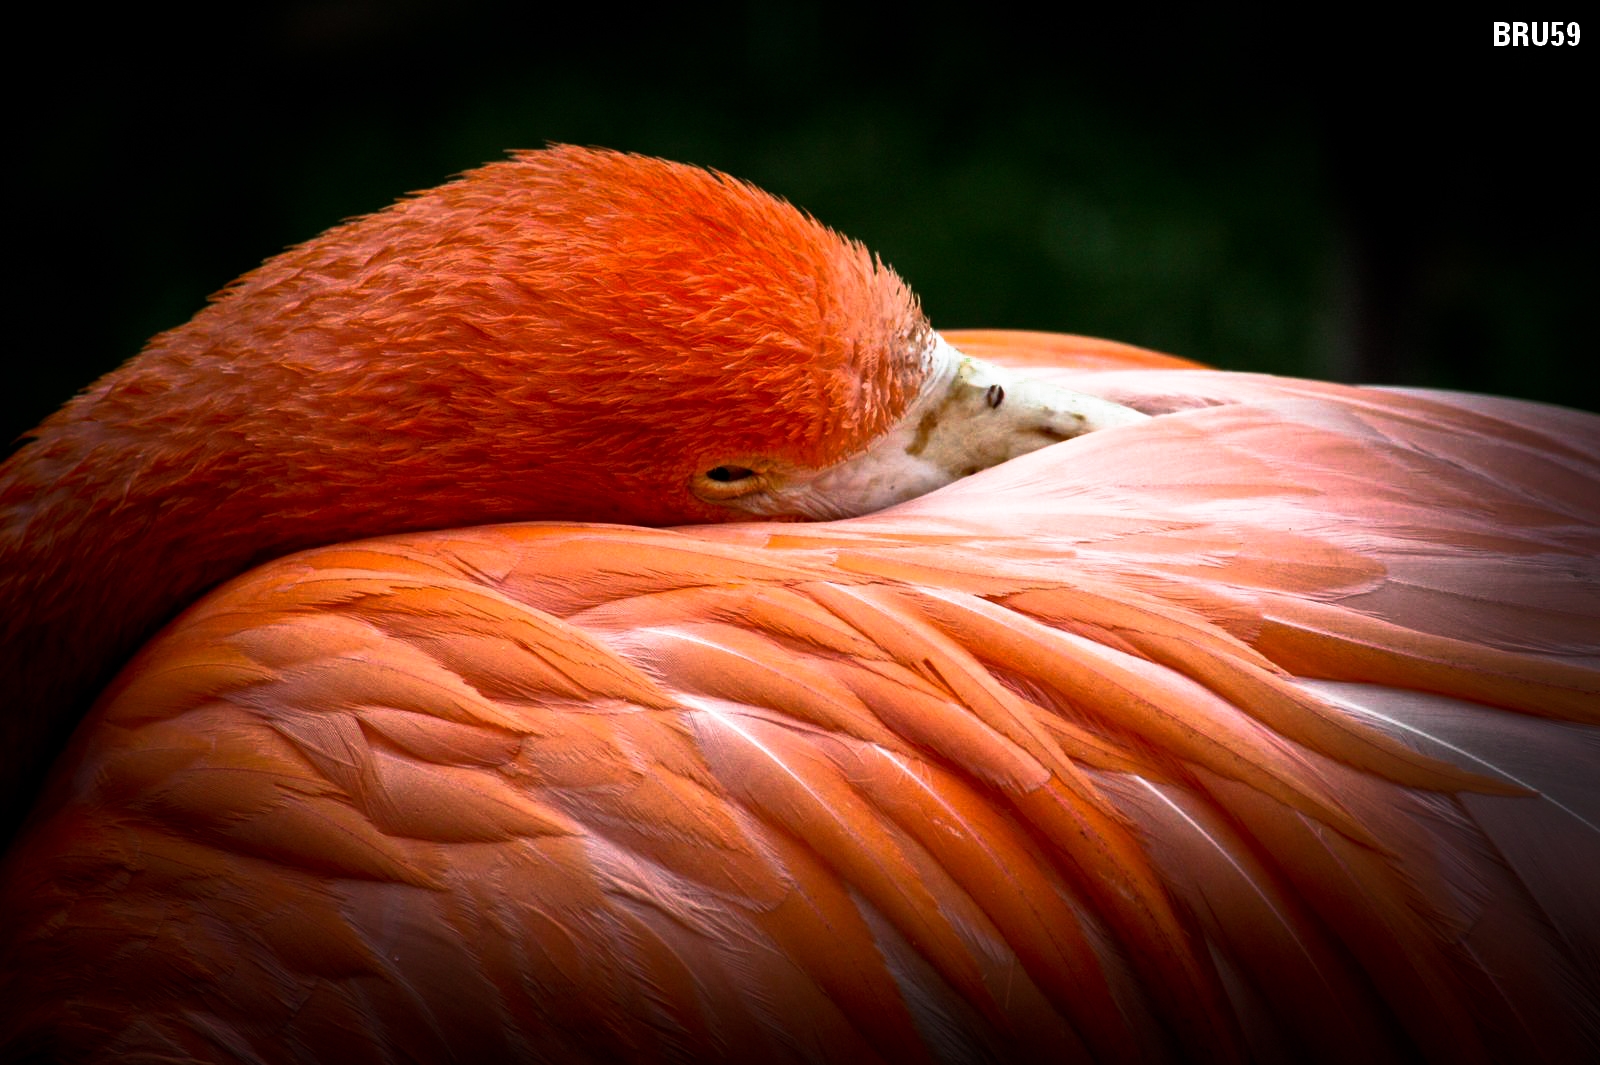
(994, 396)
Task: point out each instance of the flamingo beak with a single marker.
(970, 415)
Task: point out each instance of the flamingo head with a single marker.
(584, 335)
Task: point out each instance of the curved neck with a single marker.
(100, 543)
(142, 494)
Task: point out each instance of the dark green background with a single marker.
(1347, 199)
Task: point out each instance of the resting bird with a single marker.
(1164, 714)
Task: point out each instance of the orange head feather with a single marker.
(483, 339)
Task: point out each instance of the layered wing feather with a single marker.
(1265, 729)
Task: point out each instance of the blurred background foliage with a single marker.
(1352, 201)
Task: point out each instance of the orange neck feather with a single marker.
(571, 335)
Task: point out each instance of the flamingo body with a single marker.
(1262, 729)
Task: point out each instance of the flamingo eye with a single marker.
(719, 484)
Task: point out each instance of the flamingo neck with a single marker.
(108, 529)
(571, 334)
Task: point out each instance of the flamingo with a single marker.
(1097, 707)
